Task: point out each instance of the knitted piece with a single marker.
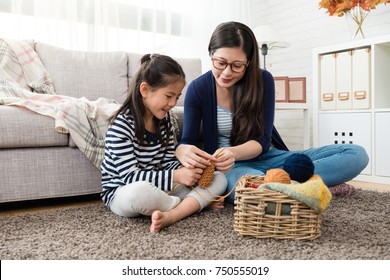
(299, 166)
(277, 175)
(313, 192)
(207, 176)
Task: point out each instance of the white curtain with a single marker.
(179, 28)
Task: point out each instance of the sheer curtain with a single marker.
(179, 28)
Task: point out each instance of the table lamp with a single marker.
(268, 38)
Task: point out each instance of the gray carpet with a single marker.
(357, 227)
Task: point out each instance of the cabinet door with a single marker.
(328, 82)
(361, 69)
(346, 128)
(382, 148)
(344, 80)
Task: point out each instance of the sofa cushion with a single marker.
(192, 67)
(85, 74)
(21, 128)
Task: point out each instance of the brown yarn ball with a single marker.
(277, 175)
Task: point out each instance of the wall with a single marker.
(305, 27)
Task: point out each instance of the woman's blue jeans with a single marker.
(335, 164)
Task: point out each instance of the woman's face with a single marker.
(228, 66)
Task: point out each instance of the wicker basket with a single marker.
(269, 214)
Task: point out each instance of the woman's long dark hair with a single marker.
(157, 71)
(247, 97)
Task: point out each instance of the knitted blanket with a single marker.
(24, 82)
(313, 192)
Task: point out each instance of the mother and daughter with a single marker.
(143, 173)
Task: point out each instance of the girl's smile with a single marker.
(160, 101)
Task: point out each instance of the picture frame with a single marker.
(297, 90)
(281, 89)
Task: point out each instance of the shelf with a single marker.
(306, 118)
(291, 106)
(337, 110)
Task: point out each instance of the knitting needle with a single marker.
(219, 153)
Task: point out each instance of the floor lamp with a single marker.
(268, 38)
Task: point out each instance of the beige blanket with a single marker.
(25, 82)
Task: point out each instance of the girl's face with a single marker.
(228, 66)
(159, 101)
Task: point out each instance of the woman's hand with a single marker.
(224, 159)
(187, 176)
(191, 156)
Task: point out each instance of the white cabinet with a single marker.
(351, 100)
(346, 128)
(382, 140)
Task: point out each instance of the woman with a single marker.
(235, 105)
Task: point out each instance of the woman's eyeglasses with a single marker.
(236, 67)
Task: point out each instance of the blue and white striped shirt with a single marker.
(224, 123)
(127, 161)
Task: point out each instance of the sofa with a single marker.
(36, 161)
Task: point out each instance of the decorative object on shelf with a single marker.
(357, 10)
(297, 90)
(281, 89)
(268, 38)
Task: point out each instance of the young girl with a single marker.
(140, 174)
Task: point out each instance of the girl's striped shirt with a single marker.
(127, 161)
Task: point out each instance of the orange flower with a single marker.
(357, 10)
(341, 7)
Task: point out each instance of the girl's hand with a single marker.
(224, 159)
(191, 156)
(187, 176)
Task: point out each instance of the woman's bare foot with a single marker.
(217, 205)
(160, 220)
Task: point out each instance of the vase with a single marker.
(357, 16)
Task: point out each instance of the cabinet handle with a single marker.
(360, 94)
(327, 96)
(343, 95)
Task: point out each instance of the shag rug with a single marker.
(356, 227)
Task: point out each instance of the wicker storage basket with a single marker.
(252, 215)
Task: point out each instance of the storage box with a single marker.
(328, 81)
(361, 81)
(263, 213)
(344, 80)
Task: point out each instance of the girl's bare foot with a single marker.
(217, 205)
(160, 220)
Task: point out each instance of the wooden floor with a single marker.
(30, 207)
(370, 186)
(23, 208)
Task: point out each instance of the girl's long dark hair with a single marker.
(247, 97)
(157, 71)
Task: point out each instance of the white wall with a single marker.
(305, 27)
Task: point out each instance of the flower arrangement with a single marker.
(355, 9)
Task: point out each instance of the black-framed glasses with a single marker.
(237, 67)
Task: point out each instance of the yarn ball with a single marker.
(299, 166)
(277, 175)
